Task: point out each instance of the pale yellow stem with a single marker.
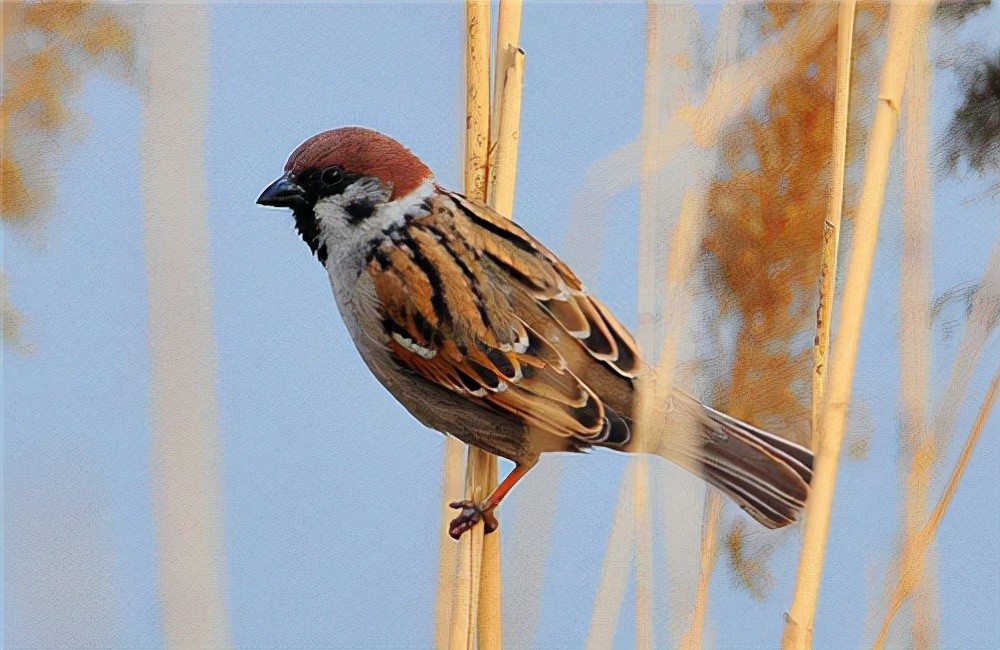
(614, 579)
(692, 639)
(480, 466)
(831, 227)
(913, 557)
(648, 287)
(508, 36)
(186, 487)
(727, 44)
(905, 22)
(506, 120)
(919, 445)
(454, 466)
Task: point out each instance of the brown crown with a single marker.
(361, 151)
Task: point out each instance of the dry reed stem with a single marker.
(508, 37)
(727, 43)
(622, 169)
(454, 466)
(614, 575)
(615, 571)
(913, 557)
(692, 639)
(465, 621)
(647, 298)
(643, 539)
(502, 173)
(919, 445)
(507, 118)
(831, 227)
(186, 490)
(982, 319)
(905, 21)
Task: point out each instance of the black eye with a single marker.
(332, 175)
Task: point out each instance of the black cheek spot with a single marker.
(358, 211)
(321, 254)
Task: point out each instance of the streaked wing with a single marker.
(472, 302)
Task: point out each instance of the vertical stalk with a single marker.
(918, 442)
(185, 477)
(831, 227)
(480, 466)
(505, 129)
(692, 639)
(614, 573)
(451, 485)
(905, 21)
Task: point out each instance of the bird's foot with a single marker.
(472, 514)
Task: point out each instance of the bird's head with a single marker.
(330, 163)
(337, 180)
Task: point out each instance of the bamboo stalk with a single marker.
(914, 558)
(919, 444)
(905, 21)
(186, 487)
(465, 621)
(831, 227)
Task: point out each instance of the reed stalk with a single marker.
(502, 173)
(454, 468)
(615, 571)
(186, 492)
(490, 164)
(914, 556)
(905, 22)
(727, 43)
(919, 444)
(831, 227)
(480, 465)
(693, 637)
(648, 286)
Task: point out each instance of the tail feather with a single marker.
(765, 475)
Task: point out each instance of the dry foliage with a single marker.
(765, 239)
(48, 50)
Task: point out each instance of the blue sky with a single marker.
(311, 443)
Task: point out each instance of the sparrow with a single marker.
(483, 333)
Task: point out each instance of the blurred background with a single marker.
(176, 374)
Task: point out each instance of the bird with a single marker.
(481, 332)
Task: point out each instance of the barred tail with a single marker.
(764, 474)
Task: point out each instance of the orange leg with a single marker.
(473, 513)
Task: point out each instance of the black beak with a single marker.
(283, 193)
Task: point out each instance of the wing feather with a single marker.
(472, 302)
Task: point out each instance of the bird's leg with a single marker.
(472, 512)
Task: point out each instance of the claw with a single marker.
(472, 513)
